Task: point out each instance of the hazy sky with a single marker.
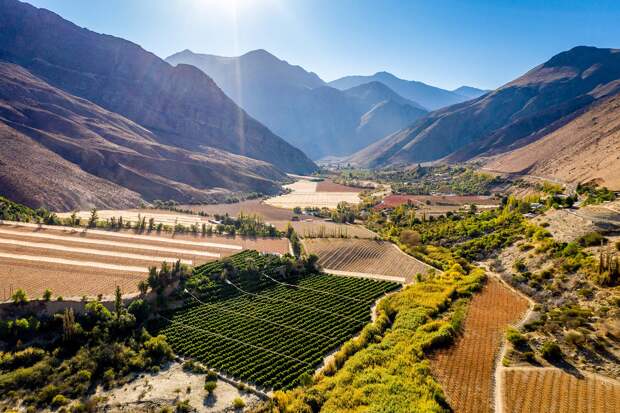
(443, 43)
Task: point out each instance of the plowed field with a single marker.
(465, 369)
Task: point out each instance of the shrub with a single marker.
(59, 400)
(515, 337)
(592, 239)
(238, 403)
(210, 386)
(47, 295)
(551, 351)
(19, 297)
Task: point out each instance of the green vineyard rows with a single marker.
(267, 333)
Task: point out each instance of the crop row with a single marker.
(273, 334)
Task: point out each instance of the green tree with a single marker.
(92, 221)
(118, 302)
(47, 295)
(19, 297)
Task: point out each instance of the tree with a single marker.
(92, 221)
(19, 297)
(68, 324)
(118, 302)
(143, 286)
(47, 295)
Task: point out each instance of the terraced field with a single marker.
(365, 257)
(74, 262)
(551, 390)
(465, 369)
(317, 228)
(267, 330)
(254, 206)
(306, 194)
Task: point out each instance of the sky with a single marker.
(443, 43)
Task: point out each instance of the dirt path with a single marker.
(498, 382)
(465, 370)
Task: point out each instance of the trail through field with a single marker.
(93, 241)
(465, 369)
(100, 265)
(91, 251)
(551, 390)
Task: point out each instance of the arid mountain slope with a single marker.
(518, 113)
(180, 105)
(585, 149)
(65, 152)
(298, 106)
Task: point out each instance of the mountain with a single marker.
(516, 114)
(65, 153)
(429, 97)
(469, 92)
(585, 149)
(180, 105)
(298, 106)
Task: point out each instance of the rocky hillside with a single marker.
(430, 97)
(64, 152)
(516, 114)
(180, 105)
(298, 106)
(585, 149)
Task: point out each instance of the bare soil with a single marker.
(150, 391)
(465, 369)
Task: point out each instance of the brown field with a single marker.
(551, 390)
(326, 229)
(330, 186)
(364, 256)
(254, 206)
(465, 369)
(74, 262)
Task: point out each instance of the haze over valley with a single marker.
(269, 206)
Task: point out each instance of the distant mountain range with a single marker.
(301, 108)
(551, 113)
(429, 97)
(115, 123)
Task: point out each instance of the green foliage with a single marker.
(210, 386)
(12, 211)
(262, 331)
(592, 239)
(515, 337)
(387, 372)
(595, 195)
(550, 351)
(19, 297)
(238, 403)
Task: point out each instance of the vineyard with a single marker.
(365, 256)
(465, 370)
(306, 194)
(262, 328)
(328, 229)
(74, 262)
(551, 390)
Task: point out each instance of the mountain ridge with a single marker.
(427, 96)
(300, 107)
(182, 105)
(513, 115)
